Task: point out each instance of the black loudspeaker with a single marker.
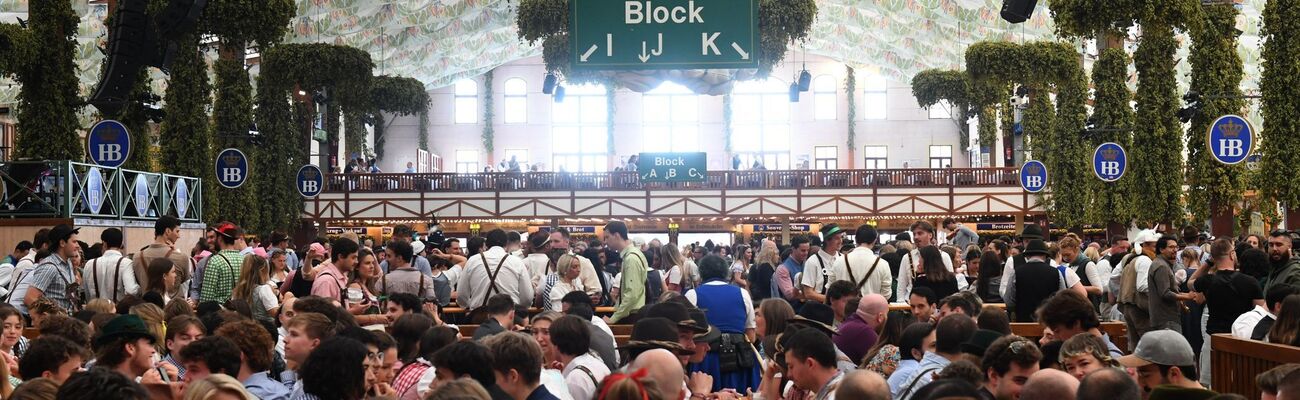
(1017, 11)
(129, 42)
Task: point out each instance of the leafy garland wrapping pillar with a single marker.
(232, 116)
(354, 130)
(184, 134)
(424, 129)
(1280, 86)
(489, 114)
(726, 124)
(1157, 143)
(851, 92)
(1069, 156)
(1112, 111)
(1216, 70)
(611, 107)
(932, 86)
(47, 112)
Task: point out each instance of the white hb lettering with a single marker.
(1110, 168)
(1034, 181)
(309, 186)
(232, 174)
(110, 152)
(1231, 147)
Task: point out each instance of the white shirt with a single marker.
(6, 274)
(905, 275)
(512, 279)
(453, 275)
(1103, 270)
(581, 385)
(1143, 266)
(749, 304)
(815, 270)
(861, 259)
(537, 264)
(1009, 270)
(1244, 326)
(560, 289)
(99, 274)
(1066, 279)
(674, 276)
(23, 266)
(1093, 273)
(266, 296)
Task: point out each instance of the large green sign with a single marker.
(672, 167)
(663, 34)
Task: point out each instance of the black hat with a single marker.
(708, 336)
(654, 333)
(1036, 246)
(678, 313)
(979, 343)
(829, 230)
(124, 326)
(59, 233)
(905, 236)
(277, 237)
(816, 315)
(1031, 231)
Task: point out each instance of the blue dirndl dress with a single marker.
(725, 309)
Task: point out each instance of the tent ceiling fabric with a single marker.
(439, 41)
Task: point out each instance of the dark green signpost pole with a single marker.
(672, 167)
(663, 34)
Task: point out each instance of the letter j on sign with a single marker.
(1231, 139)
(1033, 176)
(232, 168)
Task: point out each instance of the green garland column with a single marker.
(1216, 70)
(1157, 165)
(489, 114)
(1112, 109)
(850, 94)
(1280, 86)
(184, 134)
(232, 115)
(1069, 158)
(47, 114)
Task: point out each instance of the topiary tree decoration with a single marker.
(184, 134)
(1156, 165)
(932, 86)
(1113, 113)
(48, 101)
(851, 92)
(399, 96)
(1213, 187)
(489, 114)
(1280, 106)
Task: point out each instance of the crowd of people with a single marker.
(511, 316)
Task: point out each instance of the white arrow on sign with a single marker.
(743, 54)
(587, 54)
(645, 57)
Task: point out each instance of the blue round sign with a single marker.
(108, 143)
(1109, 162)
(94, 190)
(232, 168)
(1231, 139)
(310, 180)
(141, 195)
(1033, 176)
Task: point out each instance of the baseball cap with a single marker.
(1162, 347)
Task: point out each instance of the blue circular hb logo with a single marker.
(1231, 139)
(1109, 161)
(108, 143)
(1033, 176)
(310, 180)
(232, 168)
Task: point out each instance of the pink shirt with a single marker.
(328, 288)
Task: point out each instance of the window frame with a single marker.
(876, 87)
(821, 96)
(509, 116)
(869, 162)
(826, 163)
(940, 159)
(467, 167)
(675, 130)
(773, 151)
(586, 161)
(459, 99)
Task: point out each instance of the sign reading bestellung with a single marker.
(109, 143)
(1033, 176)
(672, 167)
(663, 34)
(1231, 139)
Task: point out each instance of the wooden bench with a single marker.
(623, 330)
(1234, 363)
(1116, 330)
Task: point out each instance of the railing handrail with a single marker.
(630, 180)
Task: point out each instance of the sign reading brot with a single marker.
(663, 34)
(672, 167)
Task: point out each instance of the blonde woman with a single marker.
(568, 269)
(1083, 354)
(679, 270)
(740, 268)
(216, 387)
(460, 389)
(254, 287)
(152, 315)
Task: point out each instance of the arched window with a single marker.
(876, 99)
(466, 102)
(825, 106)
(515, 109)
(671, 119)
(579, 136)
(760, 123)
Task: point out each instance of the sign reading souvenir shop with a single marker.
(1033, 176)
(310, 180)
(663, 34)
(672, 167)
(1231, 139)
(232, 168)
(1109, 161)
(108, 143)
(769, 228)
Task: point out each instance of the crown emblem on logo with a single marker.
(1109, 154)
(1231, 128)
(309, 173)
(231, 159)
(1034, 169)
(110, 133)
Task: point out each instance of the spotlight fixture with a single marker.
(805, 80)
(794, 92)
(559, 93)
(548, 85)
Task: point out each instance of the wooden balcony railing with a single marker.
(741, 180)
(1236, 362)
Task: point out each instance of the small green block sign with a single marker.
(672, 167)
(663, 34)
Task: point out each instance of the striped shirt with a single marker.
(220, 276)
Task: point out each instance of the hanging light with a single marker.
(794, 92)
(559, 93)
(805, 80)
(548, 84)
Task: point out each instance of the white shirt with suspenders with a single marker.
(111, 276)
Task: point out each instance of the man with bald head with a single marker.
(863, 384)
(858, 331)
(1109, 384)
(1050, 384)
(662, 366)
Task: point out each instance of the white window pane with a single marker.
(875, 151)
(653, 141)
(876, 83)
(776, 137)
(564, 113)
(565, 139)
(746, 138)
(744, 108)
(941, 110)
(516, 110)
(824, 106)
(515, 86)
(875, 103)
(685, 108)
(594, 109)
(466, 110)
(594, 139)
(776, 108)
(656, 108)
(825, 151)
(466, 87)
(685, 139)
(824, 83)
